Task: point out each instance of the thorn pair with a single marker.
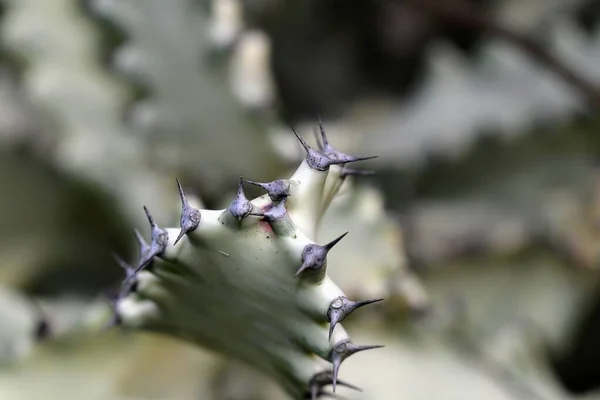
(158, 243)
(130, 283)
(326, 156)
(147, 252)
(341, 307)
(313, 255)
(277, 190)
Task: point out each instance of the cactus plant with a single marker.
(250, 281)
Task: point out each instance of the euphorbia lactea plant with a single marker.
(250, 281)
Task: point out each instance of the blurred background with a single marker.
(481, 227)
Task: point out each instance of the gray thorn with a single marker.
(144, 247)
(43, 327)
(277, 190)
(342, 158)
(240, 207)
(115, 319)
(313, 255)
(321, 379)
(335, 241)
(129, 283)
(42, 330)
(356, 172)
(326, 146)
(150, 218)
(302, 141)
(315, 395)
(190, 216)
(274, 213)
(158, 243)
(129, 270)
(318, 140)
(342, 351)
(341, 307)
(315, 159)
(334, 154)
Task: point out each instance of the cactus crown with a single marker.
(250, 281)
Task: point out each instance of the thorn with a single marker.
(341, 351)
(42, 330)
(330, 245)
(240, 207)
(321, 379)
(158, 244)
(318, 140)
(144, 247)
(334, 154)
(344, 158)
(302, 141)
(115, 319)
(341, 307)
(150, 218)
(313, 255)
(314, 395)
(315, 159)
(129, 270)
(356, 172)
(190, 216)
(277, 190)
(129, 283)
(326, 146)
(274, 213)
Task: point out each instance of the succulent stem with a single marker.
(250, 281)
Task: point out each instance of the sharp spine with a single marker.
(313, 255)
(240, 207)
(42, 330)
(321, 379)
(341, 307)
(190, 216)
(356, 172)
(144, 247)
(318, 140)
(314, 158)
(342, 351)
(115, 319)
(334, 154)
(129, 270)
(158, 243)
(277, 190)
(43, 327)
